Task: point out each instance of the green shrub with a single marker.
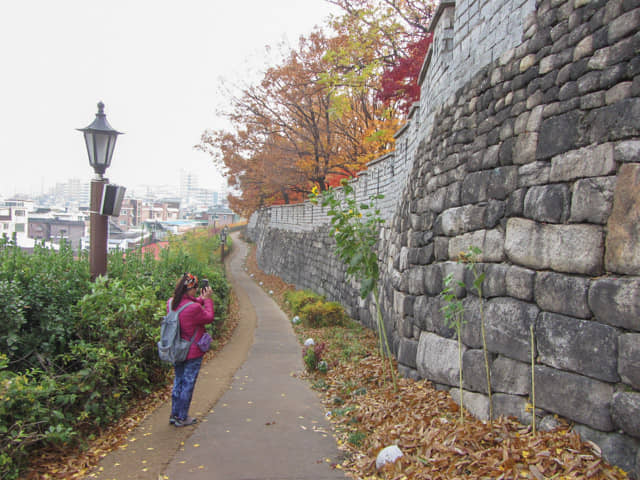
(184, 254)
(37, 293)
(322, 314)
(298, 299)
(32, 412)
(75, 353)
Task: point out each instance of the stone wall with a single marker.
(536, 160)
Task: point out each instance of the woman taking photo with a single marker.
(198, 313)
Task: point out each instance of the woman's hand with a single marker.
(206, 292)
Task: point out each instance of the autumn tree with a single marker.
(294, 130)
(328, 108)
(388, 40)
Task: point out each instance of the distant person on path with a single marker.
(192, 320)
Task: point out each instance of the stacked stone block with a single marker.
(535, 160)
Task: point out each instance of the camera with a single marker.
(204, 283)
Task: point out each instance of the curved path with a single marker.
(258, 420)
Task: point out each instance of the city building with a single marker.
(147, 213)
(73, 192)
(56, 230)
(218, 217)
(14, 220)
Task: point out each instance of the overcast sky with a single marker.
(156, 64)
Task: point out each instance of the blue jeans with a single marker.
(183, 385)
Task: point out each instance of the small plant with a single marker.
(533, 382)
(323, 366)
(470, 259)
(356, 438)
(349, 345)
(321, 385)
(347, 387)
(453, 314)
(342, 412)
(312, 356)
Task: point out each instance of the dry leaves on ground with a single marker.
(368, 415)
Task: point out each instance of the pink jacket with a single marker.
(193, 319)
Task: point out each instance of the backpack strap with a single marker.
(183, 307)
(178, 312)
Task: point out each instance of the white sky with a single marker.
(156, 64)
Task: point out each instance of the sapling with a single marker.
(470, 258)
(355, 228)
(533, 383)
(453, 311)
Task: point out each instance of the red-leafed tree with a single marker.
(399, 83)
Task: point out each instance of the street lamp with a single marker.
(100, 139)
(223, 242)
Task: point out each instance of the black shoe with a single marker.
(184, 423)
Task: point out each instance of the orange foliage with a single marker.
(294, 130)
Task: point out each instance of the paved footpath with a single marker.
(268, 424)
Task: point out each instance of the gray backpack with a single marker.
(171, 347)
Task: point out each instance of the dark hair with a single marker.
(181, 288)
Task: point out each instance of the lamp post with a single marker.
(223, 241)
(100, 139)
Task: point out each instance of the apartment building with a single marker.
(55, 230)
(14, 220)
